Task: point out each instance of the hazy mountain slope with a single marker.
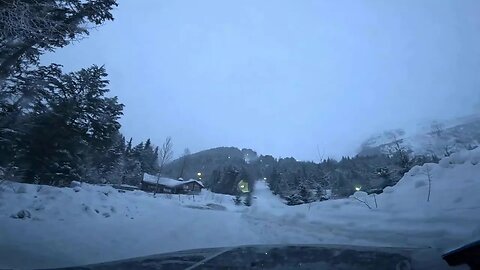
(439, 138)
(206, 161)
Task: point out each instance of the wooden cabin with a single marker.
(151, 183)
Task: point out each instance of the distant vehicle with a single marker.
(302, 257)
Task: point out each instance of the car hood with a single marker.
(285, 257)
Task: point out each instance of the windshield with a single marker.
(132, 128)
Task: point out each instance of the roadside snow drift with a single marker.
(42, 226)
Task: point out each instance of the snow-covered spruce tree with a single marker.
(133, 171)
(294, 199)
(273, 181)
(68, 121)
(248, 200)
(115, 161)
(319, 193)
(227, 184)
(251, 185)
(29, 28)
(305, 194)
(54, 127)
(149, 158)
(237, 200)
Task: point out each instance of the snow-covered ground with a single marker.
(88, 224)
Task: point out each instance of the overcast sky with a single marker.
(282, 77)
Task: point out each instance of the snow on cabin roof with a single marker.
(162, 181)
(167, 181)
(193, 180)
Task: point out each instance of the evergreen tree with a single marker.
(248, 200)
(246, 177)
(294, 199)
(154, 161)
(67, 121)
(129, 146)
(29, 28)
(148, 158)
(319, 196)
(228, 181)
(305, 194)
(133, 166)
(237, 200)
(115, 161)
(214, 180)
(273, 181)
(50, 156)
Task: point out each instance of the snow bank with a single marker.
(86, 200)
(88, 223)
(401, 215)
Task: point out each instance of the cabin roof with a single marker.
(164, 181)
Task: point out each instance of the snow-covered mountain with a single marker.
(55, 227)
(441, 138)
(208, 160)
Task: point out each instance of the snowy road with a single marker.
(46, 244)
(56, 244)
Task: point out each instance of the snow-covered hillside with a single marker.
(87, 224)
(440, 138)
(401, 215)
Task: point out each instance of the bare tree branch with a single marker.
(165, 156)
(428, 173)
(364, 202)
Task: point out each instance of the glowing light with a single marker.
(264, 178)
(358, 188)
(243, 186)
(199, 173)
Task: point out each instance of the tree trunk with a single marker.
(429, 188)
(155, 191)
